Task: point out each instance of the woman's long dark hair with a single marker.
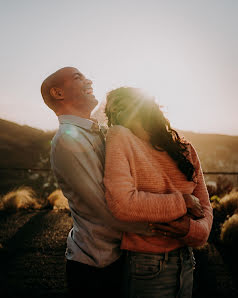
(125, 105)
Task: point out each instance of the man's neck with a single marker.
(82, 114)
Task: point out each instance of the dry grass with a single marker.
(229, 203)
(211, 188)
(21, 198)
(229, 231)
(1, 204)
(57, 200)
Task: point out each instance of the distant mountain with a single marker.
(21, 145)
(25, 147)
(216, 152)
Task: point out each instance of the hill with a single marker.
(216, 152)
(25, 147)
(21, 145)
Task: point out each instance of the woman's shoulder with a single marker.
(118, 136)
(118, 130)
(191, 148)
(193, 155)
(188, 145)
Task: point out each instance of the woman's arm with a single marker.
(200, 229)
(124, 200)
(196, 231)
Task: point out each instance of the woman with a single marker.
(150, 175)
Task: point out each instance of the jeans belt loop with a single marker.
(164, 262)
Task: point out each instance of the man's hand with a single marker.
(174, 229)
(194, 207)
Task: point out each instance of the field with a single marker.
(32, 253)
(32, 242)
(32, 258)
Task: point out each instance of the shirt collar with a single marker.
(78, 121)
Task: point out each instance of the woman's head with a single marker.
(126, 106)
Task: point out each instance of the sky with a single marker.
(184, 52)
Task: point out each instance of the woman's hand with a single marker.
(174, 229)
(194, 207)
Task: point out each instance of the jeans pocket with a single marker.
(145, 266)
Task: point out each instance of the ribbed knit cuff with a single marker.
(181, 203)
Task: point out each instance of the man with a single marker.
(77, 157)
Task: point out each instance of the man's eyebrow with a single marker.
(78, 74)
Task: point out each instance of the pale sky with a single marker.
(184, 52)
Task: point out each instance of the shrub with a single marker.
(222, 209)
(229, 203)
(57, 200)
(229, 238)
(21, 198)
(211, 188)
(224, 186)
(229, 231)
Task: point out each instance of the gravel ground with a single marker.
(32, 262)
(32, 259)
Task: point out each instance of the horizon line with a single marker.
(177, 129)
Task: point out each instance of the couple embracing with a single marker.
(136, 192)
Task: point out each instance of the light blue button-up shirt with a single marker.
(77, 160)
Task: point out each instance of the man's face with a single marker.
(78, 89)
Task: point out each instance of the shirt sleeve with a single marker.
(200, 229)
(76, 166)
(125, 201)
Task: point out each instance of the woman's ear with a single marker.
(57, 93)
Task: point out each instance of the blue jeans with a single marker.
(159, 275)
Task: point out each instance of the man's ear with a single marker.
(57, 93)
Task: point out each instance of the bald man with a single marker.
(77, 158)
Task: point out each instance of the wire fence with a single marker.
(49, 169)
(27, 169)
(32, 170)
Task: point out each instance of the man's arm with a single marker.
(77, 169)
(124, 200)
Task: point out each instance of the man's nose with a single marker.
(89, 81)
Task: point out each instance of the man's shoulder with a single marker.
(69, 137)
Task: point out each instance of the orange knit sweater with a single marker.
(143, 184)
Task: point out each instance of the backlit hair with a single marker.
(125, 105)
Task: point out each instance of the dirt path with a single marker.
(32, 246)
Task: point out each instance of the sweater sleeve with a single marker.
(200, 229)
(125, 201)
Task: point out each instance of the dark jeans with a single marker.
(86, 281)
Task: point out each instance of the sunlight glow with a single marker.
(188, 63)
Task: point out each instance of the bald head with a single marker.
(68, 91)
(51, 86)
